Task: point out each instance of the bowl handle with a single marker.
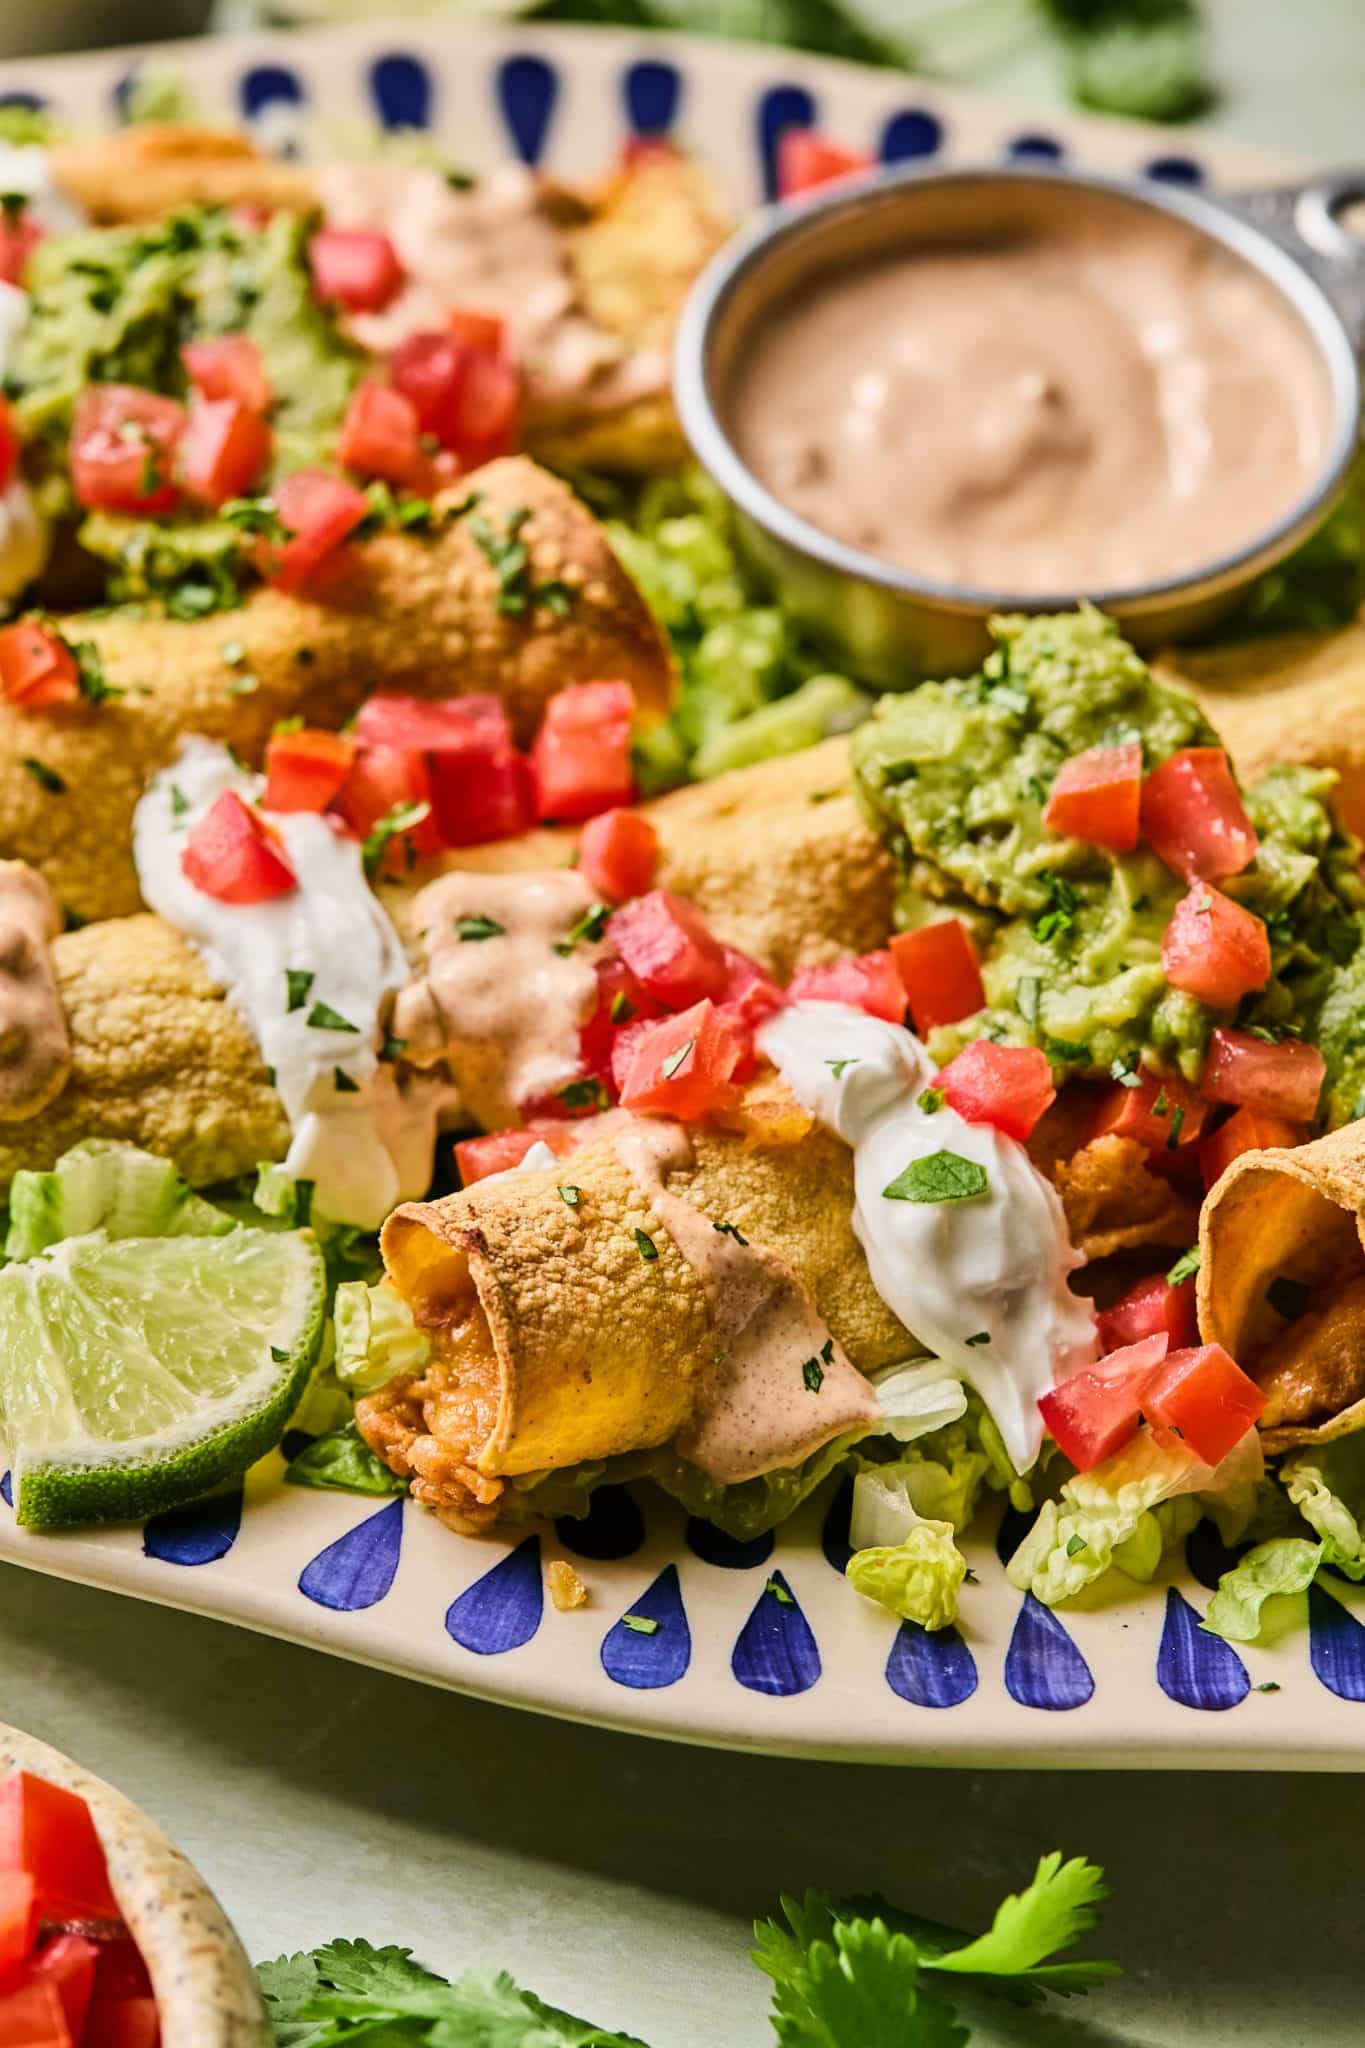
(1309, 220)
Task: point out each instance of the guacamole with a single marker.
(955, 776)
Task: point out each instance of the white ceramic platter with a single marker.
(765, 1647)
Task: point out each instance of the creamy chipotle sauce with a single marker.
(35, 1050)
(1103, 400)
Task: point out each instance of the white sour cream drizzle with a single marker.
(25, 536)
(367, 1147)
(996, 1265)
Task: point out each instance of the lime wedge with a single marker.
(140, 1372)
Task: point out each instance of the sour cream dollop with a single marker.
(981, 1282)
(365, 1143)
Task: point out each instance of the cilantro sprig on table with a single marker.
(854, 1975)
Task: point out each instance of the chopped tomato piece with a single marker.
(47, 1831)
(485, 417)
(131, 2023)
(1161, 1114)
(384, 782)
(685, 1066)
(69, 1965)
(1215, 950)
(617, 853)
(428, 369)
(20, 235)
(749, 990)
(485, 333)
(318, 512)
(1151, 1308)
(228, 366)
(806, 159)
(9, 445)
(622, 1000)
(1097, 795)
(32, 2015)
(938, 966)
(1193, 817)
(1280, 1080)
(18, 1918)
(581, 757)
(123, 448)
(233, 855)
(1093, 1414)
(1204, 1397)
(224, 450)
(305, 769)
(37, 667)
(496, 1153)
(664, 941)
(480, 784)
(1007, 1086)
(381, 436)
(464, 385)
(868, 982)
(1247, 1130)
(358, 267)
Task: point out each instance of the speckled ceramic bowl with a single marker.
(205, 1988)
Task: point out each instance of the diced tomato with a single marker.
(1247, 1130)
(617, 853)
(18, 1918)
(234, 856)
(305, 769)
(318, 512)
(868, 982)
(1007, 1086)
(132, 2023)
(1193, 817)
(37, 667)
(47, 1831)
(1162, 1114)
(581, 758)
(623, 1050)
(69, 1965)
(1093, 1414)
(32, 2015)
(937, 965)
(123, 448)
(496, 1153)
(464, 385)
(120, 1974)
(749, 991)
(427, 369)
(485, 419)
(806, 159)
(621, 1000)
(228, 366)
(382, 781)
(485, 333)
(1215, 950)
(20, 235)
(223, 451)
(381, 436)
(1097, 795)
(665, 942)
(9, 445)
(685, 1066)
(358, 267)
(480, 785)
(1151, 1308)
(1280, 1080)
(1205, 1398)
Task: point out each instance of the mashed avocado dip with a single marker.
(955, 776)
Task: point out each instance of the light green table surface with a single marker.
(617, 1876)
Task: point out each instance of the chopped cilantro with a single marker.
(930, 1100)
(479, 928)
(1185, 1267)
(813, 1375)
(622, 1008)
(645, 1245)
(570, 1194)
(729, 1230)
(981, 1337)
(393, 1048)
(939, 1177)
(180, 803)
(90, 670)
(394, 823)
(1162, 1105)
(1067, 1052)
(640, 1624)
(1177, 1125)
(840, 1067)
(322, 1017)
(1062, 904)
(507, 554)
(297, 982)
(278, 1355)
(46, 778)
(1027, 990)
(1122, 1069)
(1075, 1545)
(343, 1083)
(586, 1094)
(591, 925)
(779, 1593)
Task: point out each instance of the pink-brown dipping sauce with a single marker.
(35, 1050)
(1100, 401)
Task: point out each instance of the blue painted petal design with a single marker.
(527, 90)
(1336, 1645)
(1176, 170)
(1208, 1557)
(32, 102)
(653, 94)
(713, 1546)
(783, 106)
(834, 1534)
(7, 1490)
(935, 1670)
(357, 1570)
(613, 1526)
(775, 1651)
(1043, 1667)
(1036, 149)
(1194, 1669)
(199, 1533)
(400, 86)
(646, 1662)
(502, 1610)
(913, 133)
(267, 85)
(1015, 1524)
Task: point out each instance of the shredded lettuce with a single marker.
(342, 1462)
(918, 1578)
(1326, 1483)
(104, 1185)
(1287, 1564)
(376, 1337)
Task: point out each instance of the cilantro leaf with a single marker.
(848, 1983)
(395, 822)
(1033, 1925)
(1185, 1267)
(939, 1177)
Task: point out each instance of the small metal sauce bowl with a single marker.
(888, 624)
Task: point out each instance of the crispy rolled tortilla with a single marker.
(555, 1340)
(406, 613)
(1282, 1282)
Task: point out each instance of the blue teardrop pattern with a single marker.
(269, 85)
(1038, 149)
(1336, 1646)
(528, 88)
(729, 1553)
(930, 1670)
(911, 134)
(1175, 170)
(30, 102)
(1043, 1667)
(782, 107)
(400, 86)
(1015, 1524)
(7, 1489)
(199, 1533)
(612, 1528)
(502, 1610)
(834, 1539)
(653, 95)
(358, 1569)
(775, 1651)
(1194, 1669)
(644, 1659)
(1208, 1557)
